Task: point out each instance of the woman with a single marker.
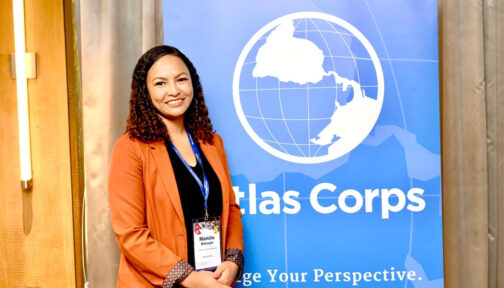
(168, 175)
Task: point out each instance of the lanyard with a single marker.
(205, 188)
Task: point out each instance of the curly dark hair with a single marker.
(144, 122)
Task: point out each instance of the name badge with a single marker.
(207, 243)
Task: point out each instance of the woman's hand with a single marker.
(202, 279)
(226, 272)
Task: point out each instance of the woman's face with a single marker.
(170, 87)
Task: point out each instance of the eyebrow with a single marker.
(164, 78)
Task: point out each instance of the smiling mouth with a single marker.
(175, 101)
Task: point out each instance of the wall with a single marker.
(44, 257)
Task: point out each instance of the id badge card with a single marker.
(207, 243)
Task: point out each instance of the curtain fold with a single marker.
(494, 76)
(464, 159)
(472, 142)
(114, 34)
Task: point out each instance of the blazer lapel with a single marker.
(163, 163)
(213, 158)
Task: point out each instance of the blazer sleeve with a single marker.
(234, 243)
(156, 262)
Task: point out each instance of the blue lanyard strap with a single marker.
(205, 188)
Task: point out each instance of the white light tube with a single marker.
(22, 94)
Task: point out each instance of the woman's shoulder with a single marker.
(218, 143)
(125, 140)
(216, 137)
(129, 143)
(216, 140)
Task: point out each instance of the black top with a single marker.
(190, 194)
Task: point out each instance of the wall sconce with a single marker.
(22, 92)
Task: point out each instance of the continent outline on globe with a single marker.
(272, 60)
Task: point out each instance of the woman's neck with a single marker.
(176, 128)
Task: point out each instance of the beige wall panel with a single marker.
(44, 257)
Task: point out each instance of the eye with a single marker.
(182, 79)
(159, 83)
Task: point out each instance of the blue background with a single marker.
(402, 151)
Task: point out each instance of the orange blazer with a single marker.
(146, 211)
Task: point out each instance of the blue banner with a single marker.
(329, 111)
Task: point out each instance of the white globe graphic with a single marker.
(308, 87)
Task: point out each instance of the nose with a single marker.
(172, 89)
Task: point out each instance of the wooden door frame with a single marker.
(72, 44)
